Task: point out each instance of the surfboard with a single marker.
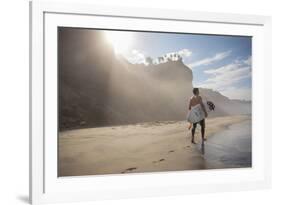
(196, 114)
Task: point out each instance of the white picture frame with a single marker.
(46, 187)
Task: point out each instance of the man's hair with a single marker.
(195, 91)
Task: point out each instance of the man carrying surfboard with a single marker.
(197, 114)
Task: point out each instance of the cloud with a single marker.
(138, 57)
(174, 56)
(207, 61)
(135, 57)
(226, 79)
(248, 61)
(184, 53)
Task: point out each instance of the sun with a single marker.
(120, 40)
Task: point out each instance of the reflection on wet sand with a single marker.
(230, 148)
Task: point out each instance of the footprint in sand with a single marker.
(171, 151)
(160, 160)
(186, 147)
(129, 170)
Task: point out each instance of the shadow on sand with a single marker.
(24, 199)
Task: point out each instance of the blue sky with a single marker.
(221, 63)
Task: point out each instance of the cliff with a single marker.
(97, 88)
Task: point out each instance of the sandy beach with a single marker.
(144, 147)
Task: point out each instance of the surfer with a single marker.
(196, 107)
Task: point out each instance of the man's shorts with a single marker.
(202, 123)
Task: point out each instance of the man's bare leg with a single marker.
(202, 124)
(189, 126)
(203, 134)
(193, 133)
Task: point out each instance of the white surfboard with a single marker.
(196, 114)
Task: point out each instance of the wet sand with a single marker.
(231, 147)
(144, 147)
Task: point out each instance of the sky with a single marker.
(221, 63)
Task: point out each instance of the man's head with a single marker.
(195, 91)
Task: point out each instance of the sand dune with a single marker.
(144, 147)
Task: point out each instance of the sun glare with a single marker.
(120, 40)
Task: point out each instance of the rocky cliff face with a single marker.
(96, 88)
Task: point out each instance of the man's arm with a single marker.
(203, 106)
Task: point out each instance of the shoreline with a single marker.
(230, 148)
(145, 147)
(140, 123)
(223, 126)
